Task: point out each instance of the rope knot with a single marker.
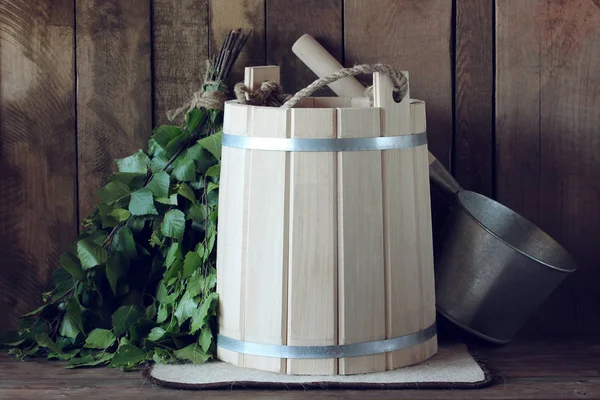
(212, 96)
(269, 94)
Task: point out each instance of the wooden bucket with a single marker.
(325, 262)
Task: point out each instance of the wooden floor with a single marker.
(543, 369)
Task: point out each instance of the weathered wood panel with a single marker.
(547, 81)
(38, 209)
(549, 370)
(474, 95)
(114, 112)
(415, 36)
(548, 116)
(287, 20)
(226, 15)
(180, 49)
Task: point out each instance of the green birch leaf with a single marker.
(214, 171)
(197, 213)
(171, 200)
(153, 147)
(202, 158)
(163, 356)
(159, 185)
(63, 342)
(90, 361)
(142, 203)
(97, 237)
(29, 327)
(173, 224)
(107, 220)
(187, 192)
(156, 239)
(211, 186)
(113, 192)
(74, 311)
(205, 340)
(197, 185)
(132, 180)
(193, 118)
(185, 170)
(128, 355)
(177, 143)
(171, 273)
(123, 241)
(191, 263)
(215, 115)
(162, 314)
(214, 215)
(72, 265)
(163, 295)
(11, 338)
(212, 143)
(114, 270)
(43, 340)
(137, 163)
(140, 330)
(201, 250)
(124, 317)
(35, 312)
(68, 328)
(66, 356)
(196, 152)
(100, 339)
(137, 223)
(212, 236)
(205, 163)
(185, 309)
(192, 353)
(120, 214)
(151, 311)
(201, 315)
(195, 284)
(211, 281)
(165, 133)
(90, 254)
(159, 162)
(156, 334)
(213, 198)
(173, 254)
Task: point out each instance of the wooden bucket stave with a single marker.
(325, 248)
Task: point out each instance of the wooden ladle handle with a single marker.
(319, 61)
(315, 57)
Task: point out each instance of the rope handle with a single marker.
(397, 76)
(271, 94)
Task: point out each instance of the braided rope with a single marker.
(399, 79)
(271, 94)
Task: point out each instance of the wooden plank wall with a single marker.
(512, 91)
(548, 139)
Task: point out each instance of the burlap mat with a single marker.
(453, 367)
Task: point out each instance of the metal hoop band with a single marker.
(325, 145)
(337, 351)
